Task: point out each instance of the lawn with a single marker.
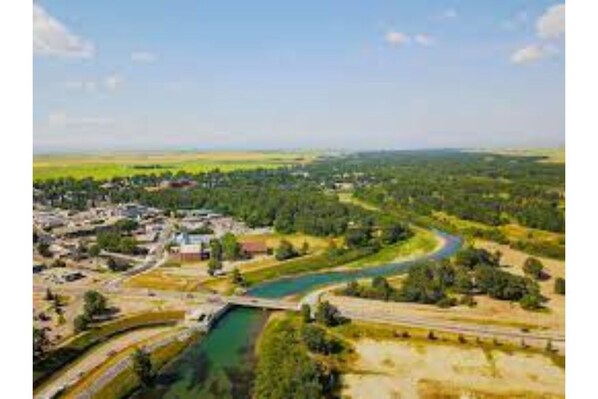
(107, 166)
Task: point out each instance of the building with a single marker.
(253, 248)
(192, 252)
(192, 239)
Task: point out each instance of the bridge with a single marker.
(220, 304)
(261, 303)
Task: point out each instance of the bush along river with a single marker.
(220, 365)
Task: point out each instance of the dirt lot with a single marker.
(406, 370)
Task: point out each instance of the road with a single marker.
(153, 259)
(429, 323)
(97, 357)
(114, 370)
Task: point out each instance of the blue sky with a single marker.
(259, 74)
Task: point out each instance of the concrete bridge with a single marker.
(261, 303)
(218, 305)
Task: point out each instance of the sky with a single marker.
(310, 74)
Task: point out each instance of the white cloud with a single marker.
(424, 40)
(144, 57)
(551, 25)
(52, 39)
(397, 38)
(63, 120)
(531, 53)
(113, 82)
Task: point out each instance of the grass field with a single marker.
(422, 242)
(106, 166)
(551, 155)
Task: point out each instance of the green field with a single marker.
(107, 166)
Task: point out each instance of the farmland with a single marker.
(107, 166)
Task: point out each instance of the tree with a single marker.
(559, 286)
(531, 301)
(358, 237)
(306, 313)
(80, 323)
(44, 249)
(142, 365)
(237, 278)
(392, 233)
(49, 294)
(534, 268)
(315, 339)
(215, 249)
(94, 250)
(214, 265)
(40, 342)
(285, 251)
(328, 315)
(94, 304)
(231, 249)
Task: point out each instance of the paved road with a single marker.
(117, 368)
(95, 358)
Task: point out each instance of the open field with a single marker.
(552, 155)
(106, 166)
(412, 370)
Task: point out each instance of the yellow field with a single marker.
(106, 166)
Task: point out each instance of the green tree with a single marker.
(215, 249)
(285, 251)
(94, 304)
(231, 249)
(81, 323)
(44, 249)
(142, 365)
(306, 313)
(94, 250)
(328, 315)
(559, 286)
(214, 265)
(315, 339)
(40, 342)
(534, 268)
(237, 278)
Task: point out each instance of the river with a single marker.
(220, 365)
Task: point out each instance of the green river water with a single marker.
(220, 365)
